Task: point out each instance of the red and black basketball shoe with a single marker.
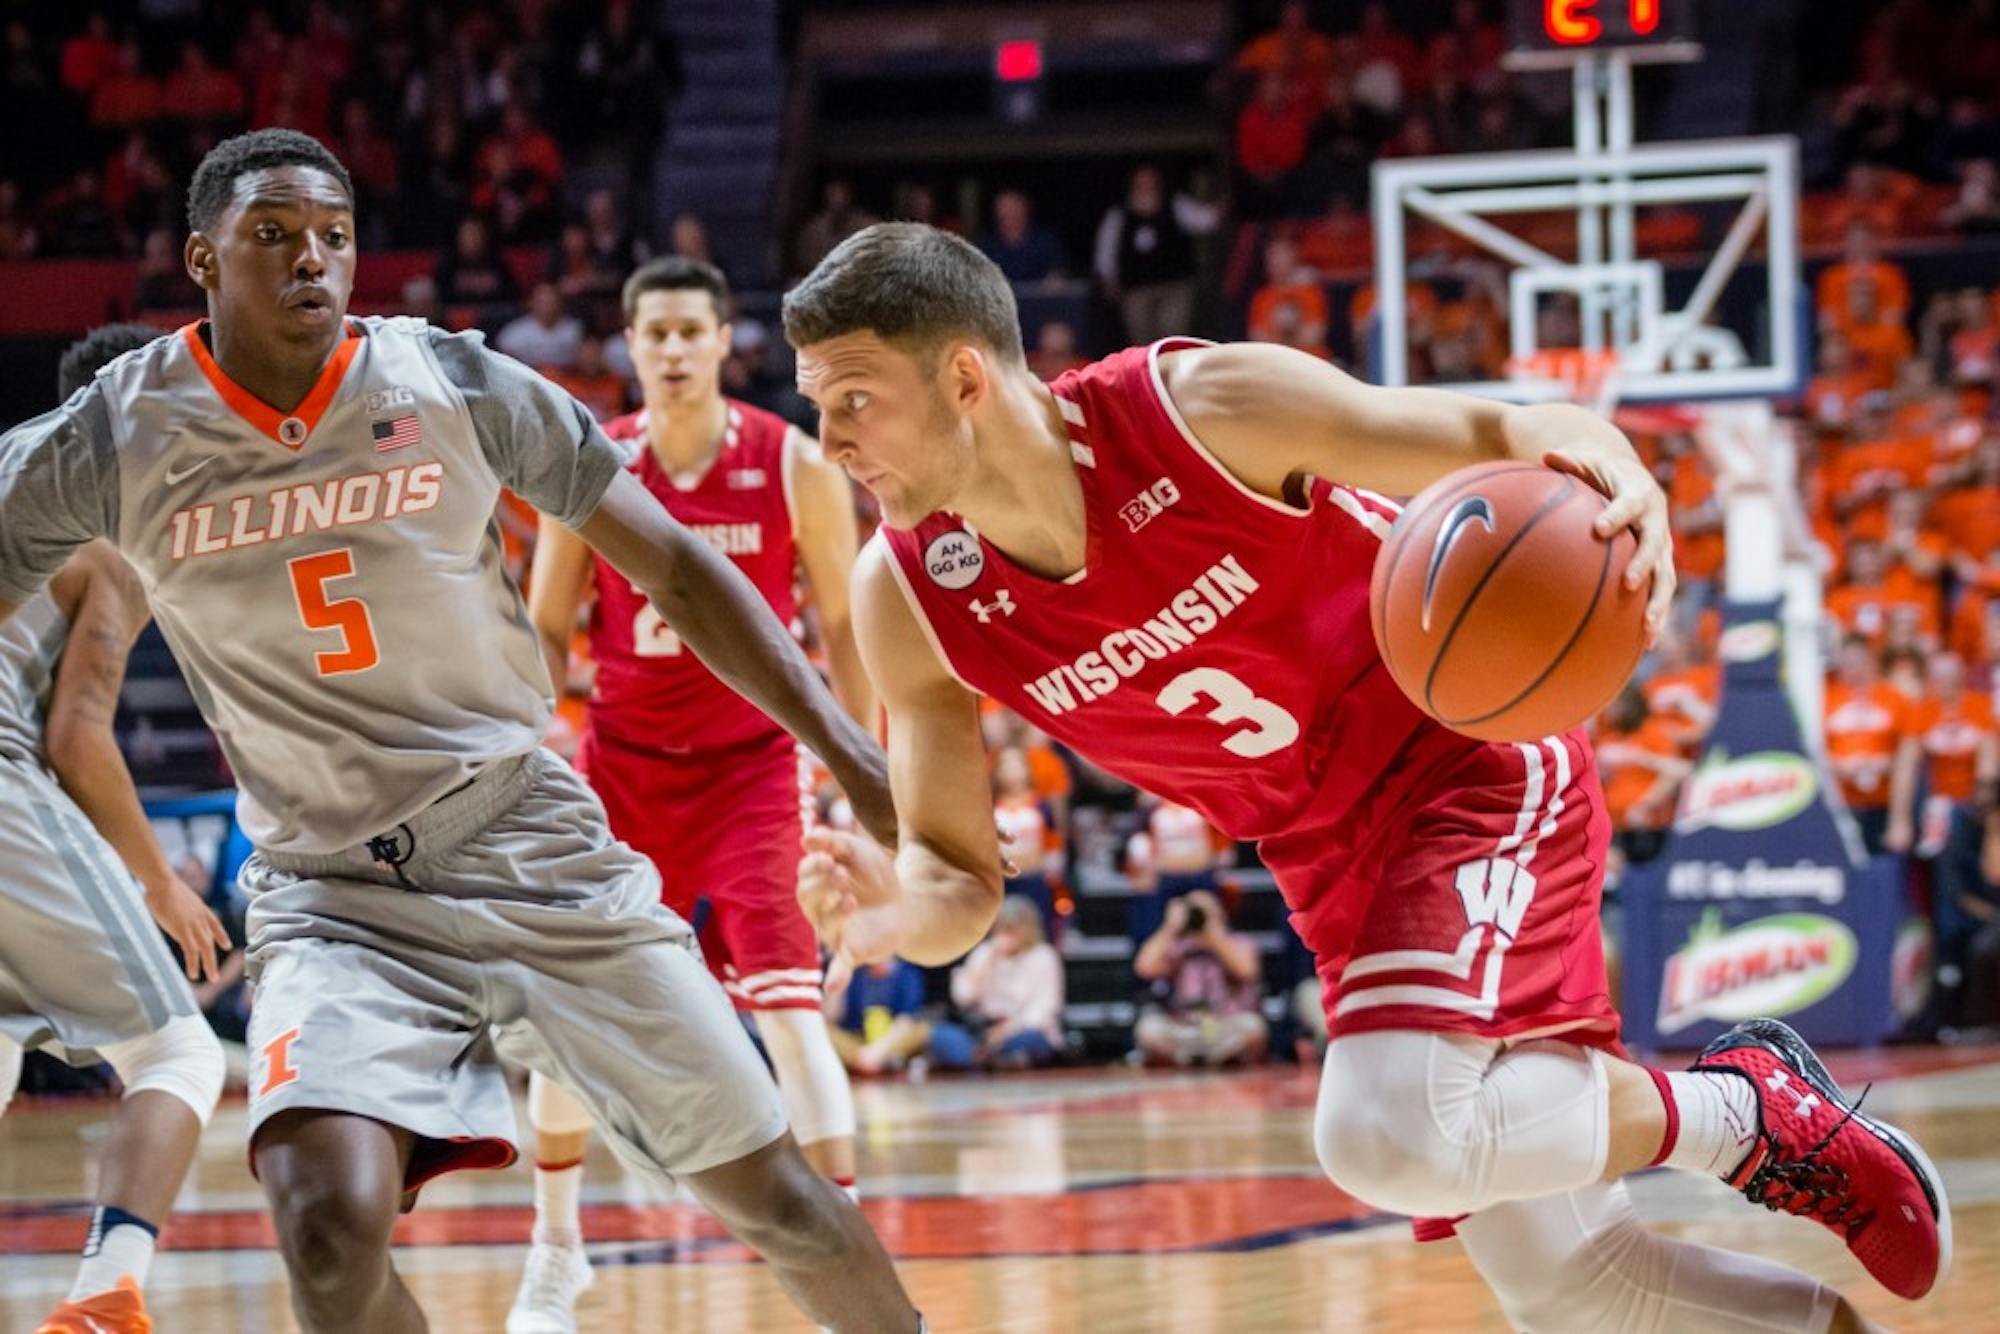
(1820, 1157)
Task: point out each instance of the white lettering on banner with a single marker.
(1756, 879)
(1191, 613)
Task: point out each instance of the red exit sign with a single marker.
(1571, 25)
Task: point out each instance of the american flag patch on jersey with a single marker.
(397, 432)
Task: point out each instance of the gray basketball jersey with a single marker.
(30, 643)
(330, 579)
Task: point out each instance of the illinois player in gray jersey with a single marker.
(308, 500)
(83, 972)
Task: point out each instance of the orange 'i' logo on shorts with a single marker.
(278, 1068)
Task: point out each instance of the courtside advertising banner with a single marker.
(1761, 903)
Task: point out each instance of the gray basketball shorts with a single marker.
(513, 926)
(81, 963)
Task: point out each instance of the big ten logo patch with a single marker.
(1149, 504)
(954, 560)
(396, 396)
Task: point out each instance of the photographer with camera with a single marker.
(1209, 981)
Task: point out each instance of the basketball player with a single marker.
(1162, 560)
(308, 501)
(80, 966)
(690, 774)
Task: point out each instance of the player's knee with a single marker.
(1381, 1135)
(799, 1222)
(331, 1232)
(181, 1058)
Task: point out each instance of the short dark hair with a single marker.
(678, 273)
(259, 150)
(907, 283)
(88, 355)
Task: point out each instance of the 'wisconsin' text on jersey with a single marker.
(1192, 613)
(1218, 653)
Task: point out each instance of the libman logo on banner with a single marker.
(1755, 791)
(1772, 966)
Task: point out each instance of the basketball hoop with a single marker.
(1587, 377)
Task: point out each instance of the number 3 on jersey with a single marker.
(652, 637)
(348, 616)
(1271, 728)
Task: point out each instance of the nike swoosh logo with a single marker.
(1473, 509)
(175, 476)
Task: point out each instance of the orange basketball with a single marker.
(1499, 611)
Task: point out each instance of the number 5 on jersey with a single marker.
(346, 616)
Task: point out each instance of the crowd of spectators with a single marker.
(439, 111)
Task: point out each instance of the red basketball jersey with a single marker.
(1215, 649)
(651, 690)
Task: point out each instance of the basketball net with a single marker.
(1584, 376)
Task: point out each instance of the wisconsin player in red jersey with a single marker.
(691, 774)
(1162, 560)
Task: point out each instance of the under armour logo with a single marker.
(1003, 602)
(1808, 1103)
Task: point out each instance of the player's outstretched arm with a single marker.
(937, 898)
(823, 500)
(719, 614)
(1271, 413)
(556, 585)
(106, 608)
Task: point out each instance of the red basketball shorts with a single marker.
(1470, 905)
(721, 825)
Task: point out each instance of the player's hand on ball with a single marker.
(1638, 503)
(848, 892)
(190, 924)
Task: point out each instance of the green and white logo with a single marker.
(1772, 966)
(1755, 791)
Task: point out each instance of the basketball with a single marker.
(1499, 611)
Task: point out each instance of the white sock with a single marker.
(557, 1190)
(1712, 1120)
(851, 1190)
(118, 1244)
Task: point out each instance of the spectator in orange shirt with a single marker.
(1975, 626)
(1683, 689)
(1972, 353)
(1874, 467)
(1968, 511)
(1290, 307)
(1834, 393)
(1949, 750)
(1865, 722)
(1913, 546)
(1694, 514)
(1029, 834)
(1877, 340)
(1865, 603)
(1862, 259)
(1639, 756)
(1293, 49)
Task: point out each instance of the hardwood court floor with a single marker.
(1106, 1202)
